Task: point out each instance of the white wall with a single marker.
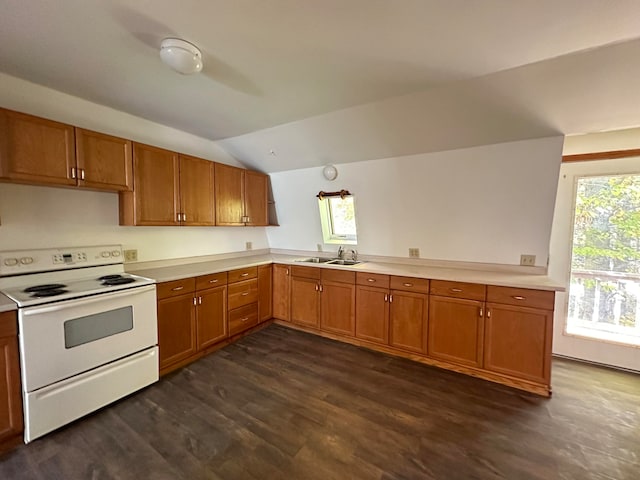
(36, 217)
(483, 204)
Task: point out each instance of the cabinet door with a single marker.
(10, 394)
(211, 316)
(255, 198)
(104, 162)
(517, 342)
(338, 308)
(265, 294)
(36, 150)
(456, 330)
(156, 184)
(408, 318)
(305, 301)
(176, 329)
(229, 193)
(196, 191)
(281, 292)
(372, 314)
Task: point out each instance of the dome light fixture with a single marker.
(180, 55)
(330, 172)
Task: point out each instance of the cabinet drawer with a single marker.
(243, 318)
(521, 297)
(372, 279)
(210, 281)
(339, 276)
(305, 272)
(471, 291)
(242, 274)
(176, 287)
(242, 293)
(410, 284)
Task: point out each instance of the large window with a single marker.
(338, 219)
(604, 294)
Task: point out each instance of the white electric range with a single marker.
(87, 331)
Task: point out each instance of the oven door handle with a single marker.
(56, 307)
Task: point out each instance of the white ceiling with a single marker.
(340, 80)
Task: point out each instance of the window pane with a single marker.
(604, 293)
(343, 220)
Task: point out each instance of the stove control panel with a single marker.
(50, 259)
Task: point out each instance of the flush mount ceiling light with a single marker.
(182, 56)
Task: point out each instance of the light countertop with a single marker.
(487, 277)
(6, 304)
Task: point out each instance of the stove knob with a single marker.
(105, 254)
(26, 260)
(10, 262)
(115, 253)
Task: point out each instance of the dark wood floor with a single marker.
(282, 404)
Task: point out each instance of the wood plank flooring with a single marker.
(282, 404)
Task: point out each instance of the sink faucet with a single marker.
(354, 255)
(341, 252)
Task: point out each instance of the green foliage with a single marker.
(607, 224)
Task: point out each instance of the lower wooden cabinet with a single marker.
(281, 292)
(372, 314)
(305, 301)
(265, 293)
(11, 423)
(408, 319)
(456, 330)
(176, 328)
(517, 342)
(338, 307)
(211, 316)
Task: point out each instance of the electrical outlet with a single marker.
(528, 260)
(249, 245)
(131, 255)
(414, 253)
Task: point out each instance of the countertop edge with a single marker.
(497, 278)
(6, 304)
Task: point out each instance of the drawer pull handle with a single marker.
(244, 294)
(456, 290)
(386, 297)
(244, 319)
(390, 298)
(518, 297)
(213, 281)
(371, 280)
(408, 284)
(481, 312)
(175, 289)
(244, 275)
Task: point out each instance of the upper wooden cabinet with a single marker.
(169, 189)
(241, 196)
(40, 151)
(103, 162)
(36, 150)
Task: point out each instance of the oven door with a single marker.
(63, 339)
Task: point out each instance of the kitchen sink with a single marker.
(316, 260)
(343, 262)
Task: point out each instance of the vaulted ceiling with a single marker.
(341, 80)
